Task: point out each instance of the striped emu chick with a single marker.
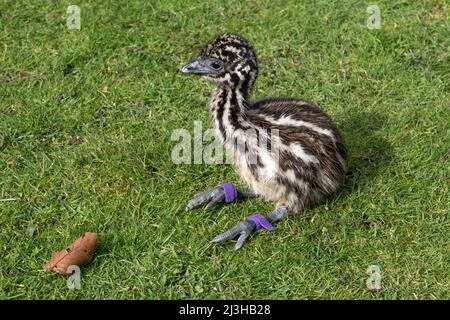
(302, 161)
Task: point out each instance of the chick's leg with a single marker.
(253, 223)
(226, 193)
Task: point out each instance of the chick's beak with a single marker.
(196, 67)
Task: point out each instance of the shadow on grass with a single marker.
(368, 151)
(368, 154)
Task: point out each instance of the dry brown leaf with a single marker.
(78, 253)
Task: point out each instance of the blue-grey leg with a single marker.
(216, 196)
(245, 228)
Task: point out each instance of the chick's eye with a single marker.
(215, 65)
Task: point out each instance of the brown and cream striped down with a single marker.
(310, 161)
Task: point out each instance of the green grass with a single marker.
(387, 90)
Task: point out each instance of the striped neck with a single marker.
(227, 109)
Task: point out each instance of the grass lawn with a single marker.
(86, 118)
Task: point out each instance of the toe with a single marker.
(218, 198)
(240, 242)
(244, 229)
(199, 200)
(229, 234)
(215, 195)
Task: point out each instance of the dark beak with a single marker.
(196, 67)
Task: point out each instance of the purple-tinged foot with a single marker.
(226, 193)
(244, 229)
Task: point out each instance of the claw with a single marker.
(241, 240)
(226, 192)
(220, 197)
(206, 196)
(243, 229)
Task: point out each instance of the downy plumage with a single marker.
(310, 158)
